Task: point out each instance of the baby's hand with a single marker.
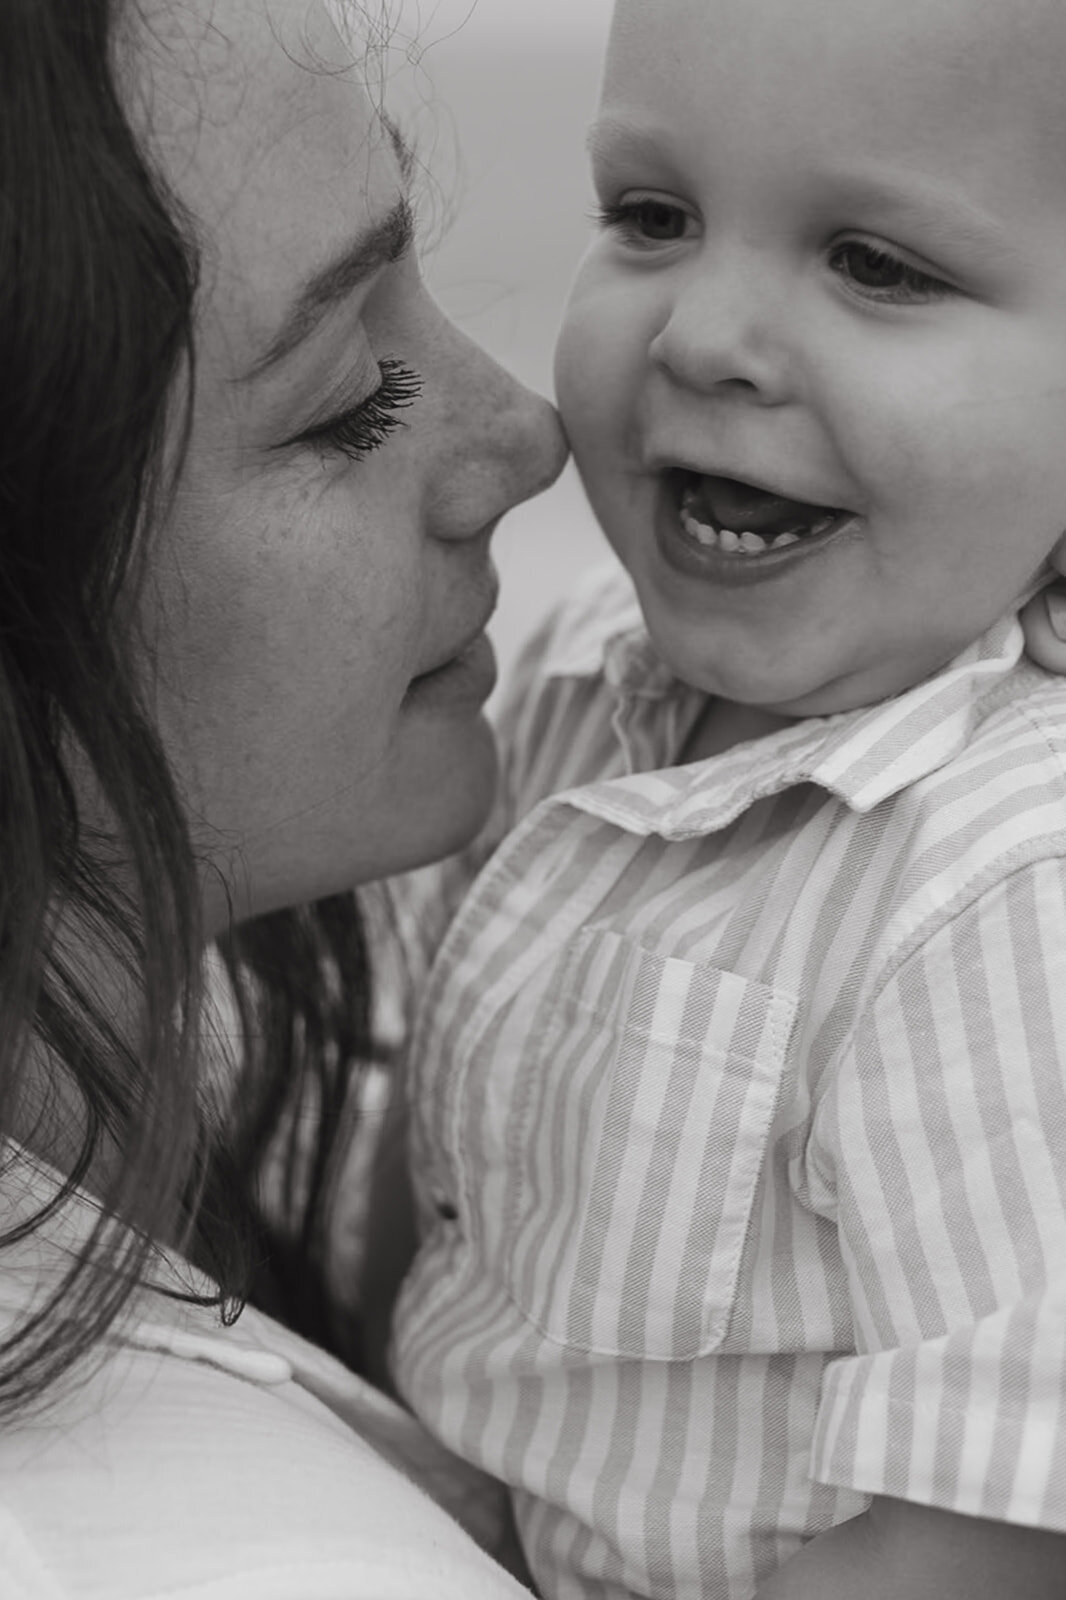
(905, 1551)
(1044, 621)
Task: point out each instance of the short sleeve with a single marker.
(943, 1138)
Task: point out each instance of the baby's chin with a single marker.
(799, 688)
(811, 649)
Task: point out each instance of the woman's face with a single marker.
(320, 586)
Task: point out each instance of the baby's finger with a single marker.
(1044, 622)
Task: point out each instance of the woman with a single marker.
(248, 478)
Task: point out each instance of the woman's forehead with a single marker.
(223, 85)
(263, 128)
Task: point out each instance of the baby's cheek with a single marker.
(590, 356)
(570, 379)
(595, 421)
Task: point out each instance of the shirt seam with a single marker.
(1018, 859)
(995, 875)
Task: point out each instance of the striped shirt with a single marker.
(740, 1118)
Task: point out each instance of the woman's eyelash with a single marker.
(360, 431)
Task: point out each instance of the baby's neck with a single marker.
(724, 723)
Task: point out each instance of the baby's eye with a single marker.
(646, 221)
(879, 275)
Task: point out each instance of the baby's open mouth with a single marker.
(725, 514)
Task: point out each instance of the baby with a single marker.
(738, 1085)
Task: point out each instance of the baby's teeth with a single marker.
(746, 543)
(698, 530)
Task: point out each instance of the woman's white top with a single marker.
(219, 1463)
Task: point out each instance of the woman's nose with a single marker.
(499, 443)
(723, 333)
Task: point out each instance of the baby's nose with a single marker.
(724, 331)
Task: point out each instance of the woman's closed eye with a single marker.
(878, 274)
(365, 427)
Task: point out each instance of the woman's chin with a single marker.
(436, 797)
(431, 799)
(446, 800)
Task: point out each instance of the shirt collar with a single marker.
(862, 757)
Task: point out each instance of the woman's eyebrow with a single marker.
(402, 147)
(375, 247)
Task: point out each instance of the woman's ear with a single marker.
(1044, 618)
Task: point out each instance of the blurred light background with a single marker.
(499, 94)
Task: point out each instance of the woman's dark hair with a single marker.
(98, 277)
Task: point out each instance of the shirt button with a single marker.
(445, 1209)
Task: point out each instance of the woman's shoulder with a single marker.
(166, 1474)
(194, 1459)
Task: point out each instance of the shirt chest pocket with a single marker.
(634, 1133)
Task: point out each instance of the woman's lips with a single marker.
(469, 676)
(487, 592)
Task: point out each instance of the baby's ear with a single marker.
(1044, 618)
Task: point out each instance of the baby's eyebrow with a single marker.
(912, 201)
(615, 145)
(908, 200)
(611, 139)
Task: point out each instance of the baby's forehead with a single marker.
(984, 77)
(999, 48)
(1022, 42)
(975, 84)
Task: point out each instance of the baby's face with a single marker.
(814, 365)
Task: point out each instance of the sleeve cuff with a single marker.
(974, 1422)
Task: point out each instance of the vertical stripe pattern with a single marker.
(740, 1119)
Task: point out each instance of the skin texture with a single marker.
(723, 331)
(747, 346)
(1044, 619)
(295, 594)
(910, 1552)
